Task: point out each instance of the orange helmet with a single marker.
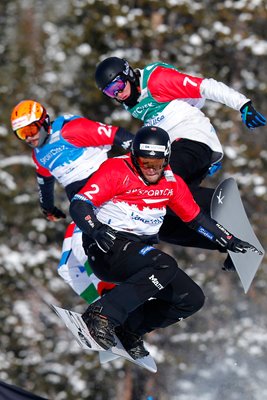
(28, 118)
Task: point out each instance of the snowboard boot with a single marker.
(228, 264)
(100, 328)
(132, 343)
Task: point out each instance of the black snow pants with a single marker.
(152, 291)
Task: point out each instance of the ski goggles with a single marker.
(148, 163)
(27, 131)
(116, 86)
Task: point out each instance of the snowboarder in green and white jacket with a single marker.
(161, 95)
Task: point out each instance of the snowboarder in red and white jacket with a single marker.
(120, 211)
(68, 150)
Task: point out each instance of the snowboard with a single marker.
(78, 328)
(107, 356)
(227, 208)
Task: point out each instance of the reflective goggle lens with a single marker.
(147, 163)
(26, 131)
(114, 87)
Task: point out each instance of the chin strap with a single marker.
(135, 93)
(43, 136)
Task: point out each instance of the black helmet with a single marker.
(152, 142)
(111, 67)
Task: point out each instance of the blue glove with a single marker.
(214, 168)
(251, 118)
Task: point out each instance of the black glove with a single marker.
(53, 215)
(239, 246)
(104, 237)
(251, 118)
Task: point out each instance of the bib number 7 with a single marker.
(187, 80)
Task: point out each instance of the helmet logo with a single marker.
(20, 122)
(167, 150)
(153, 148)
(126, 68)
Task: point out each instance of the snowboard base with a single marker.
(76, 325)
(227, 208)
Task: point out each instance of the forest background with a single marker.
(49, 51)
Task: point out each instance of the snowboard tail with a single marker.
(227, 208)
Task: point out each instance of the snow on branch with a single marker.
(14, 160)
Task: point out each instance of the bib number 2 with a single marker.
(89, 193)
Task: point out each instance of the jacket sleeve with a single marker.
(182, 202)
(82, 213)
(167, 84)
(123, 138)
(217, 91)
(40, 170)
(83, 132)
(45, 183)
(46, 191)
(212, 230)
(184, 205)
